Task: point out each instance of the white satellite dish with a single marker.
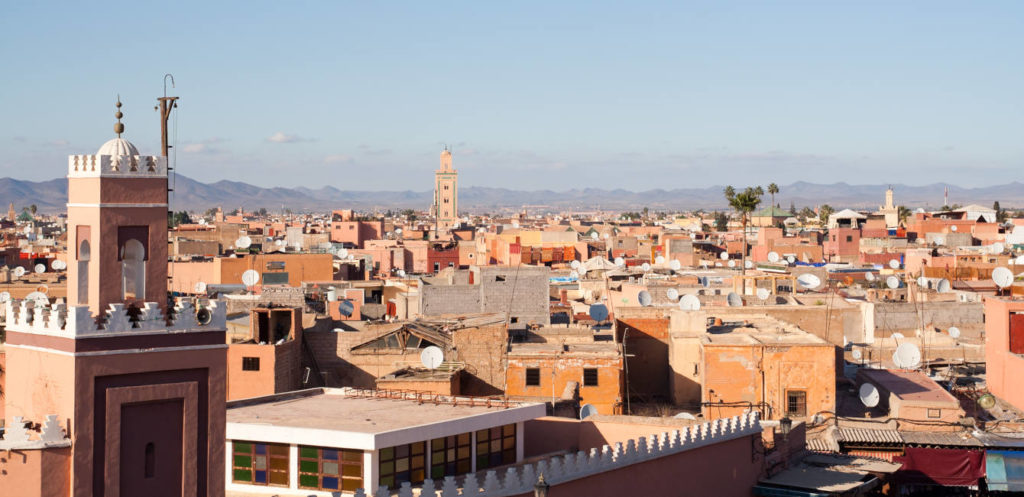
(1002, 277)
(897, 335)
(892, 282)
(39, 298)
(398, 231)
(675, 265)
(685, 415)
(953, 228)
(619, 261)
(763, 293)
(5, 296)
(574, 264)
(997, 248)
(200, 287)
(342, 253)
(943, 286)
(808, 281)
(582, 270)
(732, 263)
(574, 275)
(19, 272)
(55, 264)
(243, 242)
(749, 264)
(645, 267)
(400, 273)
(734, 300)
(922, 282)
(594, 236)
(432, 357)
(954, 332)
(689, 303)
(773, 257)
(644, 298)
(659, 260)
(587, 411)
(940, 241)
(280, 243)
(40, 268)
(869, 395)
(250, 277)
(672, 294)
(907, 356)
(605, 236)
(857, 354)
(790, 259)
(724, 256)
(894, 264)
(869, 276)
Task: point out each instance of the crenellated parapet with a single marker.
(94, 166)
(77, 321)
(17, 437)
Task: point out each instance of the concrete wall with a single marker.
(646, 341)
(37, 472)
(449, 299)
(523, 293)
(1004, 369)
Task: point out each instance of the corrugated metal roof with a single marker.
(862, 435)
(945, 438)
(819, 445)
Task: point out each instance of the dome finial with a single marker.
(118, 127)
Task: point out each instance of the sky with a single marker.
(529, 95)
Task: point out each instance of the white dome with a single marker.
(118, 147)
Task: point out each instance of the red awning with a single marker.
(953, 467)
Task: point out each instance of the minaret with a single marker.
(11, 215)
(446, 194)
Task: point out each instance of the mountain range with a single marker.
(51, 196)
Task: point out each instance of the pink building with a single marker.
(842, 244)
(129, 400)
(1004, 348)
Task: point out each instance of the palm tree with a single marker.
(744, 203)
(773, 189)
(904, 213)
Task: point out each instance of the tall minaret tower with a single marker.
(446, 194)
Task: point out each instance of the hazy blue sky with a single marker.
(559, 95)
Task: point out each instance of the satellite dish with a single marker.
(619, 261)
(892, 282)
(398, 231)
(773, 257)
(734, 300)
(672, 294)
(432, 357)
(857, 354)
(644, 298)
(62, 265)
(400, 273)
(342, 253)
(582, 271)
(250, 277)
(55, 264)
(243, 242)
(587, 411)
(897, 335)
(645, 267)
(808, 281)
(200, 287)
(574, 275)
(997, 248)
(280, 243)
(922, 282)
(749, 264)
(574, 264)
(689, 303)
(790, 259)
(40, 268)
(724, 256)
(953, 228)
(732, 264)
(594, 236)
(675, 265)
(685, 415)
(869, 395)
(19, 272)
(894, 264)
(203, 316)
(987, 401)
(943, 286)
(907, 356)
(39, 298)
(954, 332)
(940, 241)
(598, 312)
(5, 296)
(346, 308)
(763, 293)
(1002, 277)
(869, 276)
(605, 236)
(659, 260)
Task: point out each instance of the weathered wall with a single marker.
(38, 472)
(557, 370)
(522, 291)
(449, 299)
(646, 344)
(482, 349)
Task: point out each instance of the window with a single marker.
(934, 413)
(437, 266)
(403, 463)
(533, 377)
(495, 447)
(275, 278)
(513, 320)
(796, 403)
(849, 238)
(150, 460)
(322, 468)
(133, 270)
(351, 227)
(450, 456)
(84, 253)
(1016, 338)
(256, 463)
(499, 278)
(590, 377)
(250, 364)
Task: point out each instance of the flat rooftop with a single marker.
(911, 386)
(365, 419)
(759, 329)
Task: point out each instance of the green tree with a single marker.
(721, 221)
(744, 203)
(1001, 215)
(262, 211)
(33, 209)
(772, 190)
(807, 213)
(904, 214)
(824, 212)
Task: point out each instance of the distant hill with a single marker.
(189, 194)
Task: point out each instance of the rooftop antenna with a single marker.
(166, 105)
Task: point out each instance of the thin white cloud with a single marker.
(203, 147)
(281, 137)
(338, 159)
